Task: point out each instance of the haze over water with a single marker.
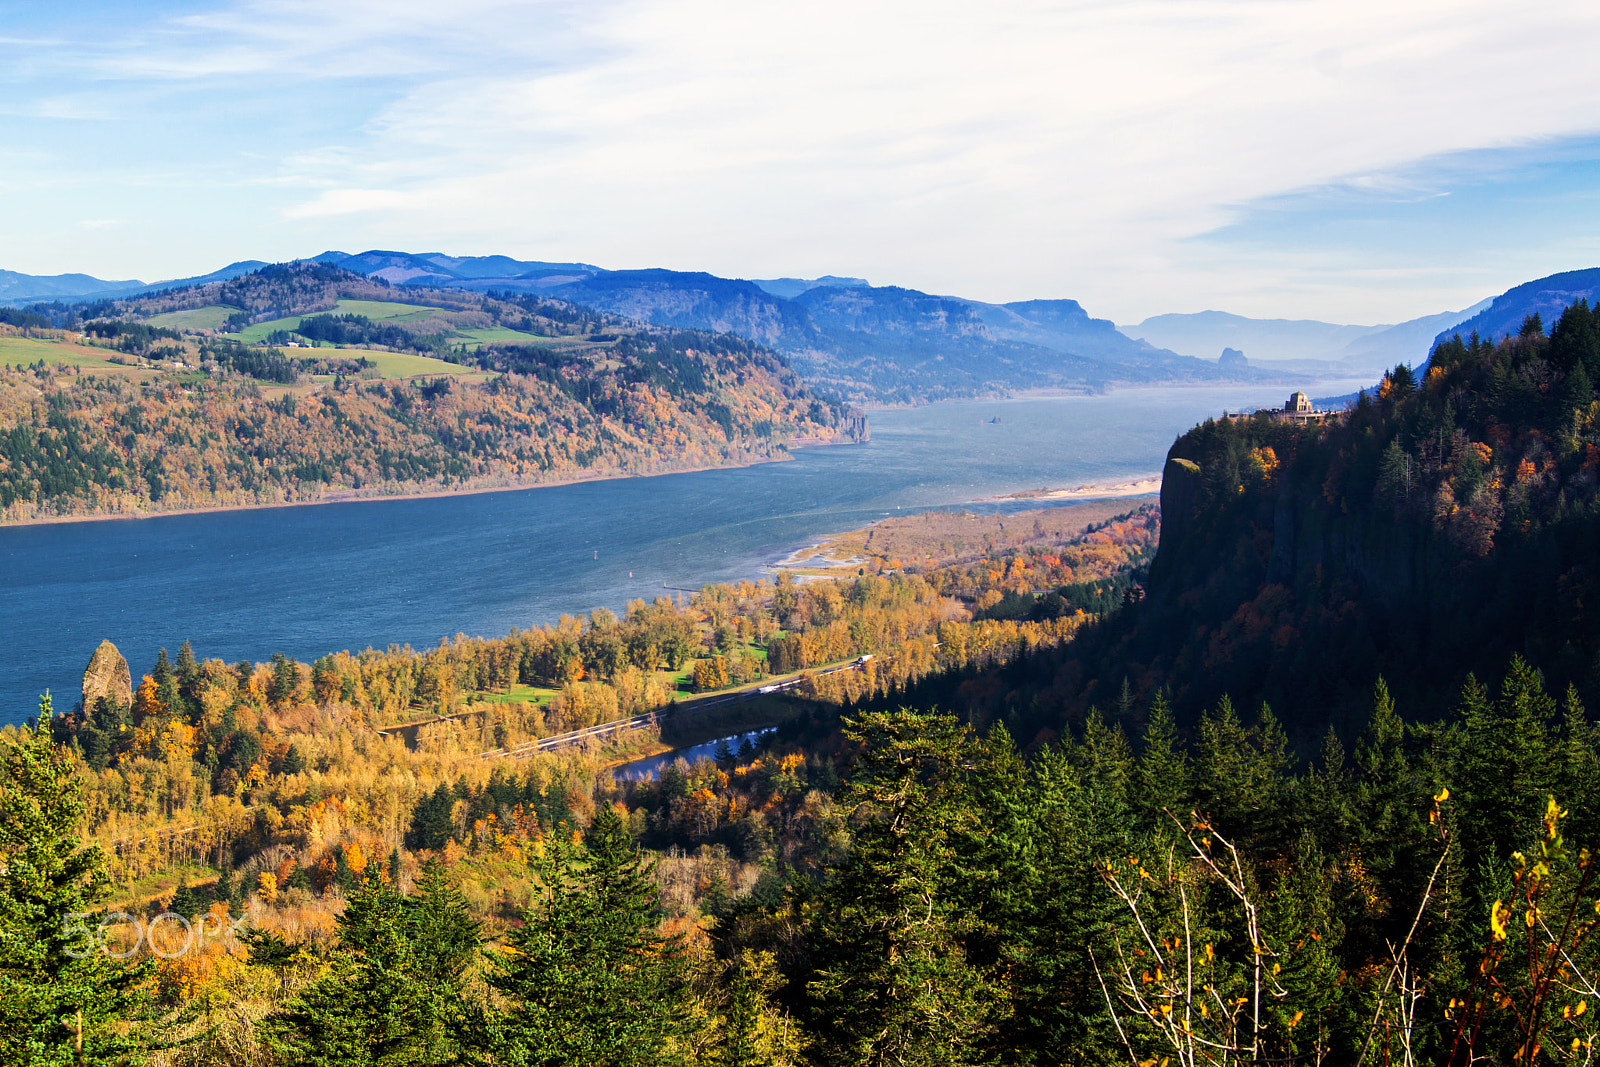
(315, 579)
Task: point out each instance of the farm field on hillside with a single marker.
(501, 335)
(22, 351)
(376, 310)
(409, 365)
(206, 318)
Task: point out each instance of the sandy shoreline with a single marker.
(1141, 486)
(816, 555)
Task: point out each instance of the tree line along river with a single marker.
(314, 579)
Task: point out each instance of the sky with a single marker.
(1347, 160)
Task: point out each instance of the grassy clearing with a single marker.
(22, 351)
(206, 318)
(385, 311)
(140, 894)
(500, 335)
(407, 365)
(376, 310)
(519, 694)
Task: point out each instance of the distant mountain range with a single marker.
(878, 343)
(73, 288)
(1301, 344)
(891, 344)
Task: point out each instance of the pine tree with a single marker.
(752, 1033)
(590, 979)
(893, 983)
(1504, 759)
(383, 1001)
(63, 1000)
(184, 901)
(447, 937)
(1163, 775)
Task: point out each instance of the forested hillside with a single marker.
(160, 412)
(1018, 834)
(1439, 527)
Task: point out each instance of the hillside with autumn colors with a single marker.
(1442, 525)
(173, 403)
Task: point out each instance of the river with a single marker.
(315, 579)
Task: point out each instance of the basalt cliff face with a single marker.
(1436, 529)
(1441, 527)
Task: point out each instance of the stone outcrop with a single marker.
(107, 676)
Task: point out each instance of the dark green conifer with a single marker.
(63, 999)
(1163, 774)
(589, 979)
(893, 982)
(385, 998)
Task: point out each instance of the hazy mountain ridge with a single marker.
(883, 343)
(15, 287)
(888, 343)
(436, 268)
(1302, 343)
(1546, 297)
(18, 288)
(893, 344)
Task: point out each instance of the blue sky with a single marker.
(1355, 161)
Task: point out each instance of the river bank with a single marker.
(1144, 485)
(391, 493)
(940, 537)
(307, 581)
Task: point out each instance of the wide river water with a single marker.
(314, 579)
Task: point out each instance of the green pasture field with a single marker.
(500, 335)
(206, 318)
(519, 694)
(376, 310)
(408, 365)
(23, 351)
(385, 310)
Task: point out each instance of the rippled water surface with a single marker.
(310, 580)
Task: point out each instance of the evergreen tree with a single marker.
(1387, 797)
(430, 820)
(590, 980)
(189, 678)
(1504, 759)
(752, 1033)
(447, 936)
(383, 1001)
(1163, 774)
(63, 1000)
(185, 901)
(1037, 888)
(1238, 772)
(893, 983)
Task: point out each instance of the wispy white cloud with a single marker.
(1076, 148)
(349, 202)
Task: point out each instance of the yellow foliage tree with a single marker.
(267, 887)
